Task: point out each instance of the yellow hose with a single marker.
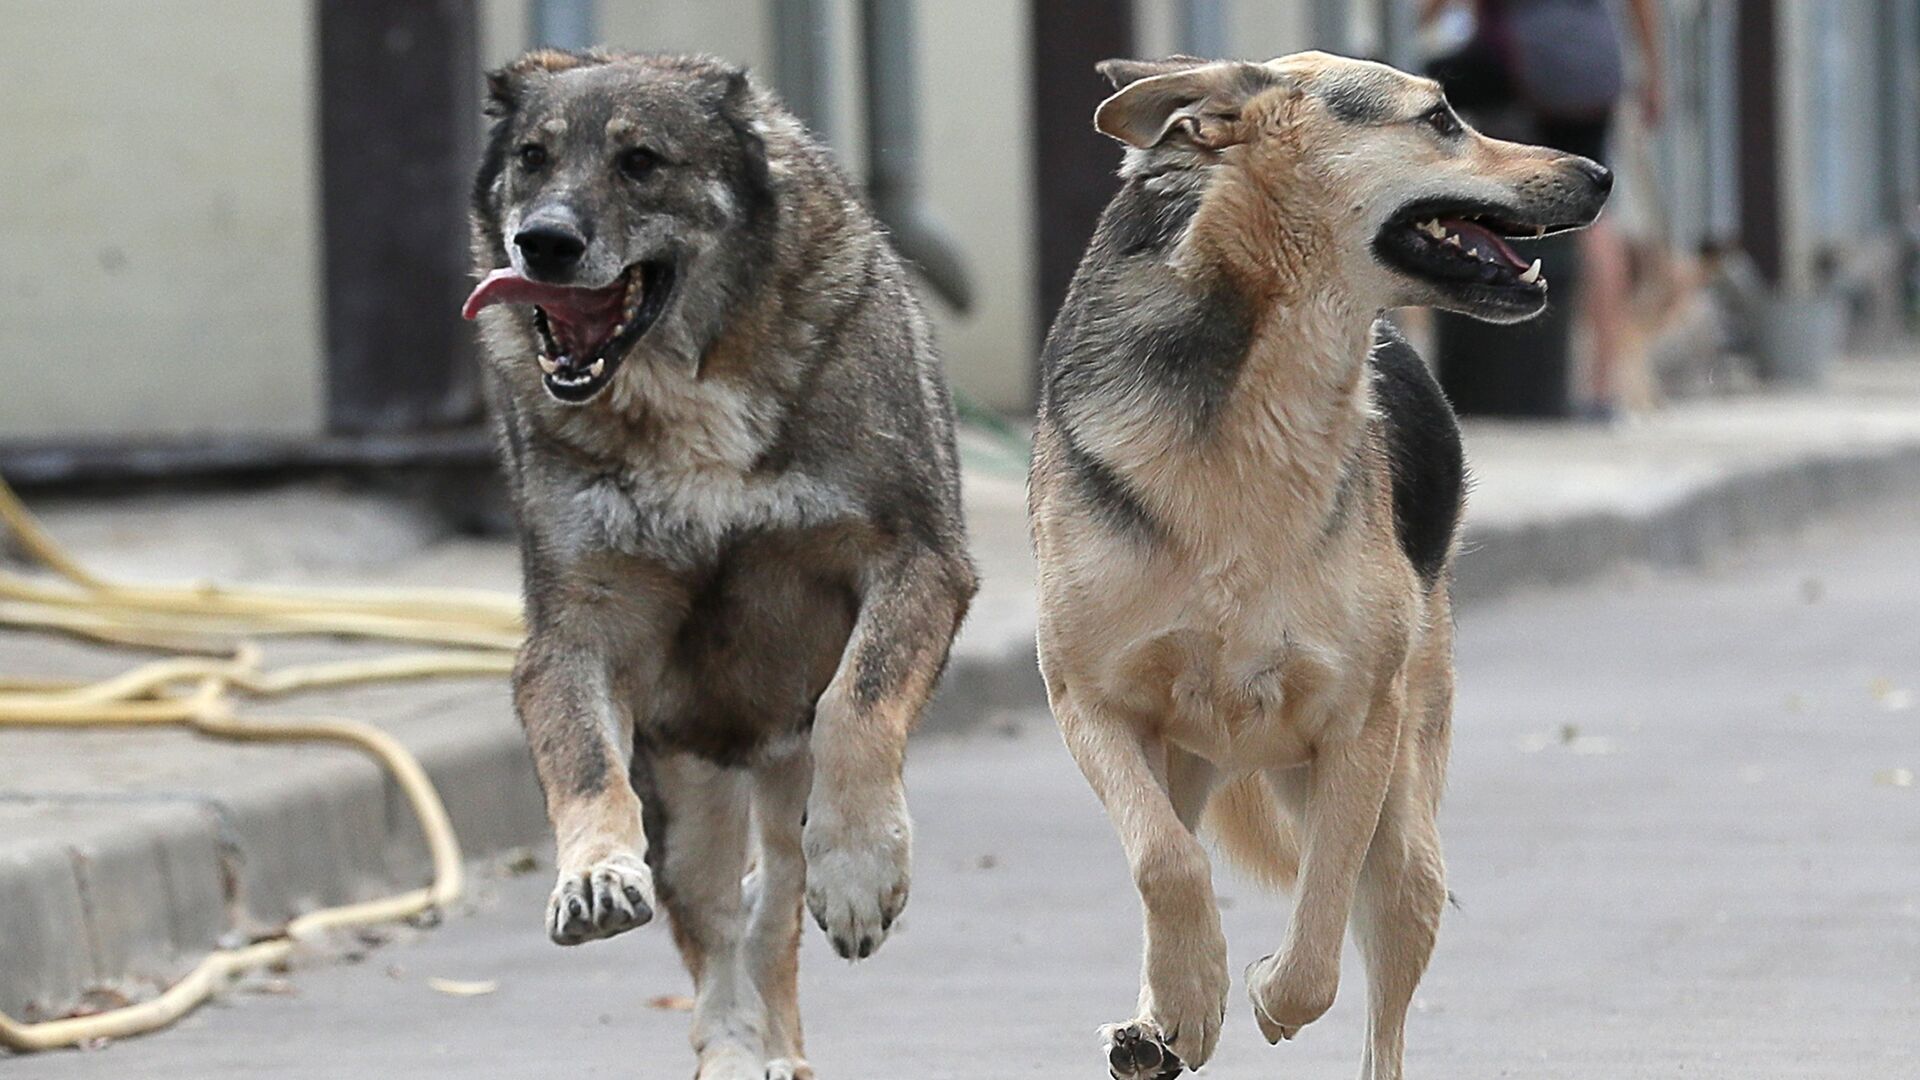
(212, 626)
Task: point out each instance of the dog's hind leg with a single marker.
(1183, 991)
(704, 857)
(775, 897)
(1336, 799)
(1396, 916)
(1403, 889)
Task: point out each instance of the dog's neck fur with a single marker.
(1271, 460)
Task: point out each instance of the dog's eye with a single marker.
(533, 156)
(638, 163)
(1441, 119)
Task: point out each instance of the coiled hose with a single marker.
(210, 632)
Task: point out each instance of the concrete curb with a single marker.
(1741, 506)
(146, 891)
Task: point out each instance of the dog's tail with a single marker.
(1246, 822)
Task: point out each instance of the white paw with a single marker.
(788, 1069)
(858, 874)
(609, 897)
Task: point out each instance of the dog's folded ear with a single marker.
(507, 86)
(1121, 73)
(1195, 104)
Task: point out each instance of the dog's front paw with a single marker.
(606, 898)
(789, 1069)
(1289, 994)
(858, 872)
(1185, 996)
(1138, 1050)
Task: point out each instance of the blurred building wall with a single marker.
(160, 179)
(163, 273)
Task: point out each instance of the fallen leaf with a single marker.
(459, 988)
(671, 1003)
(1894, 778)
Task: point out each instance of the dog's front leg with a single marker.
(858, 838)
(1337, 799)
(581, 738)
(1183, 978)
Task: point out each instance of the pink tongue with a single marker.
(1482, 238)
(506, 286)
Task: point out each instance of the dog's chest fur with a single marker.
(725, 582)
(1249, 624)
(1246, 649)
(674, 468)
(1252, 662)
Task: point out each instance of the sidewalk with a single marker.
(124, 856)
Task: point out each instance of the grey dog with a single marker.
(730, 450)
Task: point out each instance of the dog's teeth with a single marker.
(1433, 228)
(1454, 239)
(1533, 273)
(549, 365)
(597, 368)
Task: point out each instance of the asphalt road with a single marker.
(1677, 833)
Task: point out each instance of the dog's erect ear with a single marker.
(508, 85)
(503, 93)
(1122, 73)
(1195, 104)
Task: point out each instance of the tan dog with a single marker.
(1245, 495)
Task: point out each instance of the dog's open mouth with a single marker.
(1466, 250)
(584, 333)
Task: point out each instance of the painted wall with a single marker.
(164, 209)
(159, 183)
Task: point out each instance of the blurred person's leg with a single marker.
(1603, 249)
(1604, 280)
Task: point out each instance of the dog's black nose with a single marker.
(1601, 176)
(550, 249)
